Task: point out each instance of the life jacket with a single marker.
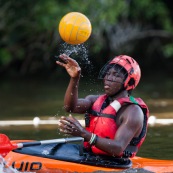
(100, 120)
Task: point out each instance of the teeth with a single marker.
(106, 86)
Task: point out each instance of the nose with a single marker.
(108, 77)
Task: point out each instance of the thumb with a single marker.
(70, 116)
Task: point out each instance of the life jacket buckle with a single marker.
(87, 120)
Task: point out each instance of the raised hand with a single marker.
(70, 65)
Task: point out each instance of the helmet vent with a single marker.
(128, 61)
(132, 60)
(131, 71)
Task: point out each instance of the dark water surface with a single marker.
(26, 99)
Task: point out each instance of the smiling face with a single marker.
(114, 78)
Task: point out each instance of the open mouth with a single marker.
(106, 86)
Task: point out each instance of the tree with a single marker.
(29, 37)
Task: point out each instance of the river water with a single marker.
(24, 99)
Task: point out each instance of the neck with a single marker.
(122, 94)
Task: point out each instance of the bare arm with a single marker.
(71, 101)
(131, 126)
(74, 71)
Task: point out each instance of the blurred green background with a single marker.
(142, 29)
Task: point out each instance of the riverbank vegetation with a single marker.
(30, 40)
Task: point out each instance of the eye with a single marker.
(117, 75)
(107, 73)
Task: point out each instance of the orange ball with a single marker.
(75, 28)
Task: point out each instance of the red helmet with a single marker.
(132, 68)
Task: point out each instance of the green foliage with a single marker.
(5, 57)
(150, 11)
(168, 50)
(29, 35)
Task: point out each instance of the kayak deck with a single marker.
(57, 158)
(25, 163)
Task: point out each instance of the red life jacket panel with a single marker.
(100, 120)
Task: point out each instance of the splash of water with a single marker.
(75, 51)
(80, 54)
(4, 168)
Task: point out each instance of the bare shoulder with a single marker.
(130, 120)
(92, 98)
(130, 114)
(134, 113)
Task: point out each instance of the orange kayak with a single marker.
(66, 158)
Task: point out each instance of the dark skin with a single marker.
(129, 118)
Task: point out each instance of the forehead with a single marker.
(116, 68)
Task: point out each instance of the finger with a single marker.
(65, 131)
(71, 118)
(69, 128)
(67, 119)
(62, 126)
(60, 63)
(64, 57)
(61, 59)
(65, 128)
(67, 125)
(70, 115)
(64, 122)
(72, 61)
(71, 122)
(62, 117)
